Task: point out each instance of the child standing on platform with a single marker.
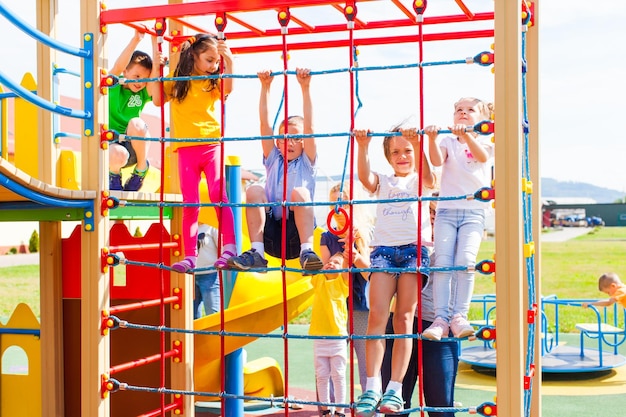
(329, 317)
(395, 246)
(126, 101)
(459, 224)
(332, 243)
(610, 284)
(265, 223)
(193, 112)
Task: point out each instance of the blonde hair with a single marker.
(486, 109)
(607, 279)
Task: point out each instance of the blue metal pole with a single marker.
(234, 360)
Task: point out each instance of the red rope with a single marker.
(419, 218)
(283, 250)
(350, 243)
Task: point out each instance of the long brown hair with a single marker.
(190, 50)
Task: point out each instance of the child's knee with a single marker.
(255, 194)
(118, 155)
(136, 127)
(300, 194)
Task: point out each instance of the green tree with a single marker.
(33, 243)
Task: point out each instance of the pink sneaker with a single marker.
(461, 327)
(437, 330)
(185, 266)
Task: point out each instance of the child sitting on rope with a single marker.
(265, 223)
(126, 101)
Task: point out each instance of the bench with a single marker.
(608, 334)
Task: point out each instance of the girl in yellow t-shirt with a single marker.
(192, 106)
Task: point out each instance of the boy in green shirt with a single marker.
(126, 101)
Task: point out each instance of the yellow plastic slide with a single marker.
(256, 306)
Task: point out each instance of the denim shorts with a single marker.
(405, 256)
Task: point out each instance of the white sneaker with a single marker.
(437, 330)
(461, 327)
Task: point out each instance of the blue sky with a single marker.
(581, 83)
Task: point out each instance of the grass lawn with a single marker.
(569, 270)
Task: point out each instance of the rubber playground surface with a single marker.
(596, 394)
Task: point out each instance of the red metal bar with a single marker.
(489, 33)
(143, 361)
(202, 8)
(404, 10)
(357, 22)
(467, 11)
(142, 304)
(387, 24)
(302, 23)
(240, 22)
(159, 412)
(144, 246)
(198, 29)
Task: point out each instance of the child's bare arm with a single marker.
(602, 303)
(228, 63)
(122, 61)
(434, 151)
(158, 60)
(303, 75)
(366, 176)
(265, 78)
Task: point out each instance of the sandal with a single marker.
(184, 266)
(367, 404)
(222, 261)
(391, 403)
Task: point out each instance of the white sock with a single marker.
(394, 386)
(260, 248)
(374, 383)
(306, 246)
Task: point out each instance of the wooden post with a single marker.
(509, 308)
(50, 269)
(532, 97)
(95, 290)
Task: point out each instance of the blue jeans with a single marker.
(207, 294)
(405, 256)
(458, 234)
(440, 362)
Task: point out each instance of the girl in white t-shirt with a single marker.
(395, 246)
(467, 159)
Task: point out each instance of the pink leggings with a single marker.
(192, 161)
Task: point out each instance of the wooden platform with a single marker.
(24, 198)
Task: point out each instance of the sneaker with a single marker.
(310, 261)
(391, 403)
(135, 181)
(185, 266)
(460, 327)
(115, 181)
(249, 259)
(437, 330)
(367, 404)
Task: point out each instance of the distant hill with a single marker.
(568, 189)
